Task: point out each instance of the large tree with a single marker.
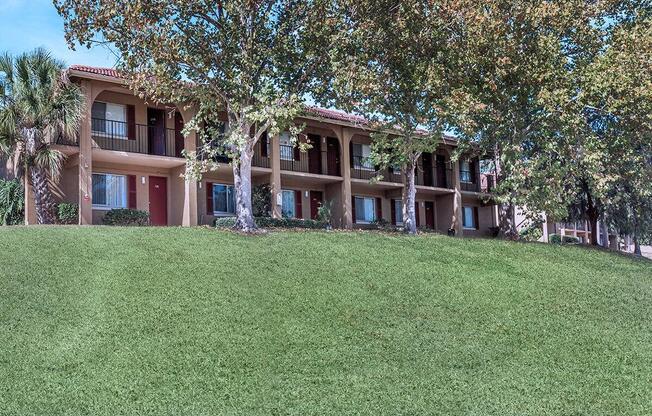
(38, 104)
(251, 60)
(392, 69)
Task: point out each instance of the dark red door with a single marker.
(442, 181)
(430, 215)
(158, 200)
(156, 131)
(314, 154)
(427, 168)
(333, 156)
(178, 137)
(316, 198)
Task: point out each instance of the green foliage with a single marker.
(566, 239)
(67, 213)
(12, 202)
(261, 200)
(268, 222)
(325, 212)
(533, 232)
(126, 217)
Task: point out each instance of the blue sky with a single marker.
(28, 24)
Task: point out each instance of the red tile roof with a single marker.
(109, 72)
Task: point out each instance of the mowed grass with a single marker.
(170, 321)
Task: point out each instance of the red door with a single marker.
(158, 200)
(333, 156)
(315, 200)
(178, 137)
(156, 131)
(430, 215)
(314, 154)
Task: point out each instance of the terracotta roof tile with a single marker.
(109, 72)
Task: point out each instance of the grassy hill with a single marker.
(196, 321)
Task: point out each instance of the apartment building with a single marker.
(128, 155)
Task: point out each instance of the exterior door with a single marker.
(316, 197)
(314, 154)
(430, 215)
(156, 131)
(442, 181)
(333, 156)
(158, 200)
(427, 169)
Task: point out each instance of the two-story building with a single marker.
(128, 155)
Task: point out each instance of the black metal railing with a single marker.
(297, 161)
(364, 169)
(469, 181)
(135, 138)
(436, 176)
(259, 160)
(290, 162)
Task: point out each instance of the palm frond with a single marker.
(51, 160)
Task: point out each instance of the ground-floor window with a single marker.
(109, 191)
(288, 206)
(470, 217)
(223, 199)
(398, 212)
(365, 210)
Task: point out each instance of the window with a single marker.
(223, 199)
(109, 191)
(365, 210)
(287, 149)
(288, 204)
(361, 153)
(465, 171)
(109, 119)
(398, 209)
(469, 217)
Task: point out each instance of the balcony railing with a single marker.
(135, 138)
(364, 169)
(438, 176)
(303, 163)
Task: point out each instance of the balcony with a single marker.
(438, 176)
(363, 169)
(315, 161)
(136, 138)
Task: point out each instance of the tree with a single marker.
(252, 60)
(516, 61)
(391, 68)
(38, 104)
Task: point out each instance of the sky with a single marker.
(29, 24)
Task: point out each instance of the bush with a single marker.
(267, 222)
(67, 213)
(12, 202)
(531, 233)
(566, 239)
(126, 217)
(325, 212)
(261, 200)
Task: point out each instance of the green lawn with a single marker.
(175, 321)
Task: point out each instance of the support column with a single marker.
(86, 159)
(456, 220)
(189, 214)
(275, 159)
(345, 163)
(30, 206)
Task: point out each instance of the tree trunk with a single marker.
(637, 247)
(506, 221)
(242, 181)
(605, 231)
(409, 196)
(43, 203)
(592, 214)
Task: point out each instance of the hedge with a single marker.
(268, 222)
(566, 239)
(126, 217)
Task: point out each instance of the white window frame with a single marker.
(108, 134)
(358, 160)
(293, 205)
(474, 225)
(223, 213)
(373, 209)
(108, 207)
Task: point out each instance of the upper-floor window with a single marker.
(109, 119)
(109, 191)
(287, 149)
(365, 210)
(465, 171)
(361, 156)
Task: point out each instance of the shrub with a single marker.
(12, 202)
(268, 222)
(126, 217)
(566, 239)
(325, 212)
(531, 233)
(261, 200)
(67, 213)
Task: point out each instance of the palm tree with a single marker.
(38, 104)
